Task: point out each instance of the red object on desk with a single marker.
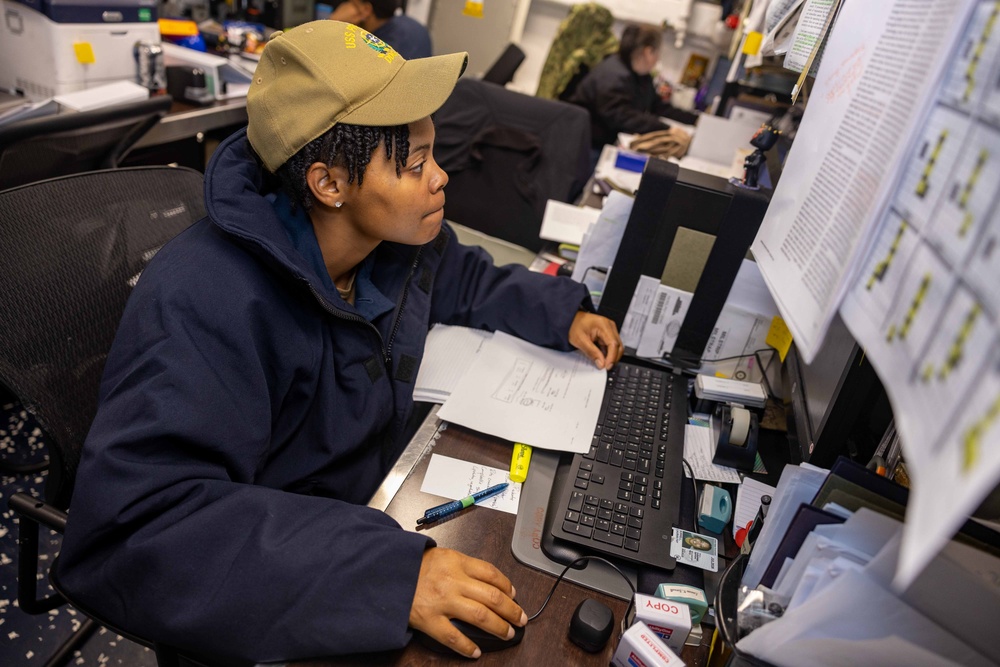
(741, 534)
(551, 269)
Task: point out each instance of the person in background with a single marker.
(403, 33)
(260, 386)
(621, 96)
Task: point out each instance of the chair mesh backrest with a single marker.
(71, 249)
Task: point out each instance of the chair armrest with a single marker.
(33, 512)
(38, 511)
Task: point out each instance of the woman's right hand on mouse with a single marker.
(453, 585)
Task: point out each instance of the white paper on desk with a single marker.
(748, 501)
(566, 223)
(638, 311)
(456, 479)
(857, 622)
(118, 92)
(699, 450)
(670, 306)
(530, 394)
(959, 589)
(797, 485)
(736, 336)
(448, 353)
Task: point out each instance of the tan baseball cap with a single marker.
(326, 72)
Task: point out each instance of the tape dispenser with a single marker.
(736, 431)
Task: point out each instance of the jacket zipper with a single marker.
(386, 349)
(402, 304)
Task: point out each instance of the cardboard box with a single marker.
(641, 647)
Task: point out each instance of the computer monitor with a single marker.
(837, 404)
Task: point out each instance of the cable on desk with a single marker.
(566, 569)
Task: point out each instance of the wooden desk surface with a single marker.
(486, 534)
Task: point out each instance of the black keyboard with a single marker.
(621, 499)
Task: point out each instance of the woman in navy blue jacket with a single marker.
(262, 376)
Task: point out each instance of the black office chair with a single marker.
(506, 154)
(72, 249)
(502, 71)
(72, 143)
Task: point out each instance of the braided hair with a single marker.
(349, 146)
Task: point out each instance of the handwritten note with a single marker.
(455, 479)
(748, 502)
(699, 450)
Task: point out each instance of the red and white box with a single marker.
(641, 647)
(668, 619)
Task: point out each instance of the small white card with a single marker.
(456, 479)
(695, 549)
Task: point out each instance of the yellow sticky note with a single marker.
(779, 337)
(751, 45)
(84, 53)
(473, 9)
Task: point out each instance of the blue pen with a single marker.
(441, 511)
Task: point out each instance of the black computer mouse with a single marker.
(591, 625)
(486, 641)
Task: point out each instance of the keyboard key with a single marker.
(581, 484)
(587, 521)
(609, 538)
(632, 545)
(572, 516)
(617, 529)
(633, 533)
(590, 510)
(576, 501)
(577, 529)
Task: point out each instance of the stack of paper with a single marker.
(840, 607)
(448, 353)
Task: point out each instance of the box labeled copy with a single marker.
(641, 647)
(669, 620)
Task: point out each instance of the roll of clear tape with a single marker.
(740, 428)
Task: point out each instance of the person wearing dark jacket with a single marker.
(620, 94)
(403, 33)
(262, 375)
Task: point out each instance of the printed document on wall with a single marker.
(879, 63)
(925, 302)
